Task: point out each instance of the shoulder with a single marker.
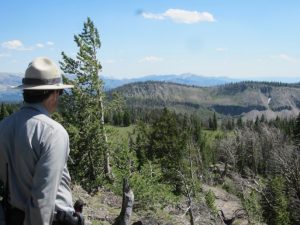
(52, 126)
(57, 127)
(54, 137)
(38, 114)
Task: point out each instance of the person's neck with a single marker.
(51, 102)
(48, 106)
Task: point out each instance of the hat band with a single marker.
(32, 81)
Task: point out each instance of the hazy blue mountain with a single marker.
(10, 78)
(7, 80)
(187, 78)
(190, 92)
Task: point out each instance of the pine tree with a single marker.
(117, 118)
(297, 129)
(141, 143)
(276, 209)
(239, 122)
(262, 118)
(210, 123)
(126, 118)
(256, 123)
(215, 123)
(167, 146)
(84, 111)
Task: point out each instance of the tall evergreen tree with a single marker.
(167, 146)
(297, 129)
(141, 144)
(126, 118)
(85, 111)
(215, 122)
(276, 209)
(239, 122)
(210, 123)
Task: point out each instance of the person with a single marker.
(34, 150)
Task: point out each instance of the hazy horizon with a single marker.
(261, 78)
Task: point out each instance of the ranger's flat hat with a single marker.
(43, 74)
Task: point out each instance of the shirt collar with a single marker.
(37, 106)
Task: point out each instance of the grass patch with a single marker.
(119, 135)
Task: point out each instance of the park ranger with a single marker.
(33, 154)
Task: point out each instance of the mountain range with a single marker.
(192, 93)
(12, 79)
(247, 99)
(186, 78)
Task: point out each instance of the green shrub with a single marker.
(276, 208)
(251, 202)
(229, 186)
(148, 189)
(210, 200)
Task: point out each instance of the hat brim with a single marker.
(44, 87)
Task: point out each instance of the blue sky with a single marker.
(249, 39)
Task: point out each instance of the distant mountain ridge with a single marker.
(7, 93)
(188, 92)
(13, 79)
(186, 78)
(247, 99)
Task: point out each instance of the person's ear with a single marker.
(53, 96)
(57, 94)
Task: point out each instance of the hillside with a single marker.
(187, 78)
(249, 99)
(11, 79)
(104, 206)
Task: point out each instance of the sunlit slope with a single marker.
(232, 99)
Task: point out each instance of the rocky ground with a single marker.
(103, 207)
(228, 203)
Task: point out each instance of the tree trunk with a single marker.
(224, 174)
(127, 204)
(191, 211)
(107, 168)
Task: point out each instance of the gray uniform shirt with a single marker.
(36, 150)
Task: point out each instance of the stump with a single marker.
(127, 204)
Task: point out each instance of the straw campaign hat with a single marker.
(43, 74)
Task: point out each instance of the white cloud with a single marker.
(221, 49)
(151, 59)
(284, 57)
(4, 55)
(181, 16)
(110, 61)
(13, 44)
(39, 45)
(19, 46)
(16, 45)
(189, 17)
(50, 43)
(153, 16)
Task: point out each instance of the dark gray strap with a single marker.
(34, 81)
